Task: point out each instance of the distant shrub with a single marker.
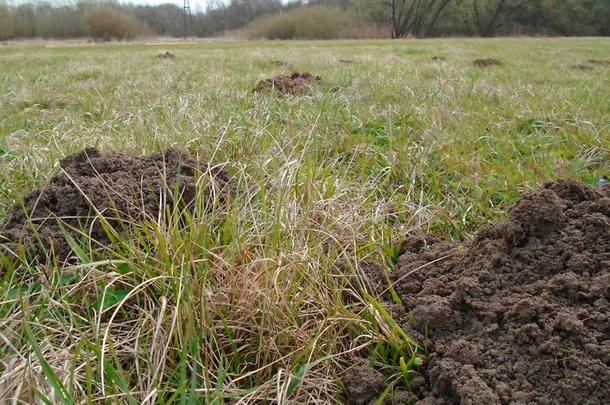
(108, 21)
(303, 23)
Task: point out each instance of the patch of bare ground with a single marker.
(518, 316)
(295, 83)
(97, 190)
(166, 55)
(487, 62)
(599, 62)
(582, 67)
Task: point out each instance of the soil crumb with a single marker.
(438, 58)
(487, 62)
(296, 83)
(166, 55)
(582, 67)
(520, 315)
(120, 187)
(363, 384)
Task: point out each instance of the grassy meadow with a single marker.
(259, 302)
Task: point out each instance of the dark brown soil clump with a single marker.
(363, 384)
(438, 59)
(346, 61)
(119, 187)
(599, 62)
(582, 67)
(296, 83)
(166, 55)
(520, 315)
(487, 62)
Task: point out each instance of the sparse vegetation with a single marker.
(260, 299)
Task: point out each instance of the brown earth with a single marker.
(346, 61)
(438, 58)
(582, 67)
(296, 83)
(487, 62)
(599, 62)
(166, 55)
(279, 63)
(120, 187)
(520, 314)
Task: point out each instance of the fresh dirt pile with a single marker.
(599, 62)
(520, 315)
(296, 83)
(118, 186)
(487, 62)
(166, 55)
(438, 58)
(582, 67)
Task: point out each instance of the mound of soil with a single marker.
(520, 315)
(296, 83)
(118, 186)
(599, 62)
(487, 62)
(582, 67)
(346, 61)
(438, 58)
(166, 55)
(279, 63)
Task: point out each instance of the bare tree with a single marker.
(489, 15)
(414, 17)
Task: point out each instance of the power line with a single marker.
(187, 17)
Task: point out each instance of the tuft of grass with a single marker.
(245, 301)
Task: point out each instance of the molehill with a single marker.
(295, 83)
(118, 187)
(517, 316)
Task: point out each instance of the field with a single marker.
(258, 300)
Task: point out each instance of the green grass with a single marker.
(248, 301)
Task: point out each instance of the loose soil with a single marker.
(117, 186)
(438, 58)
(166, 55)
(279, 63)
(582, 67)
(599, 62)
(487, 62)
(346, 61)
(296, 83)
(520, 314)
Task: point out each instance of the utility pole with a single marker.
(187, 17)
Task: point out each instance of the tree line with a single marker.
(416, 18)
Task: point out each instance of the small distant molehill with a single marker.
(487, 62)
(295, 83)
(166, 55)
